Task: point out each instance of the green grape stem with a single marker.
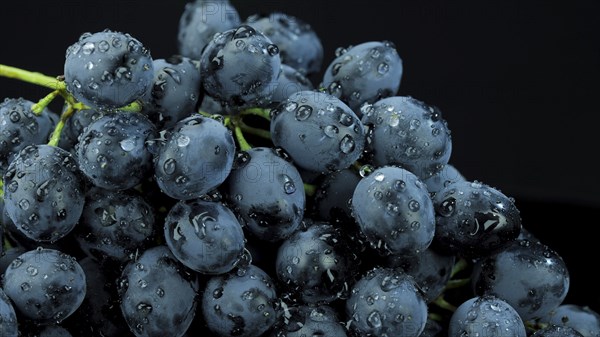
(43, 103)
(204, 113)
(60, 125)
(435, 317)
(135, 106)
(264, 113)
(2, 189)
(442, 303)
(461, 265)
(32, 77)
(453, 284)
(310, 190)
(239, 135)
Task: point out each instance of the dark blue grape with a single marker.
(175, 91)
(45, 285)
(317, 264)
(195, 157)
(554, 330)
(240, 303)
(409, 133)
(115, 224)
(239, 67)
(486, 316)
(298, 43)
(319, 132)
(393, 209)
(474, 219)
(9, 326)
(267, 193)
(205, 236)
(581, 318)
(108, 69)
(430, 269)
(112, 150)
(201, 20)
(304, 321)
(21, 127)
(386, 302)
(364, 73)
(529, 276)
(289, 82)
(44, 192)
(157, 294)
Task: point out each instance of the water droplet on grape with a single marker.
(303, 112)
(288, 185)
(88, 48)
(169, 166)
(127, 144)
(347, 144)
(335, 89)
(374, 320)
(144, 308)
(290, 106)
(447, 207)
(183, 141)
(103, 46)
(383, 68)
(272, 49)
(15, 116)
(24, 204)
(25, 286)
(32, 271)
(414, 205)
(331, 131)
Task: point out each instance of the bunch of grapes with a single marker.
(220, 189)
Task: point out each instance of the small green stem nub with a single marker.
(32, 77)
(38, 107)
(132, 107)
(435, 317)
(310, 190)
(7, 244)
(2, 189)
(60, 125)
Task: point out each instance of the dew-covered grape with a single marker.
(393, 209)
(320, 132)
(108, 69)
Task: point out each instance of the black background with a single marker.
(517, 82)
